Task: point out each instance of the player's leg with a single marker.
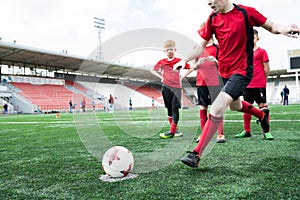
(215, 118)
(229, 96)
(167, 96)
(234, 87)
(170, 118)
(204, 101)
(249, 97)
(261, 100)
(213, 93)
(217, 110)
(176, 105)
(221, 136)
(203, 116)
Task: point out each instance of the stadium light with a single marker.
(99, 24)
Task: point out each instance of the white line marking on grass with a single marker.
(229, 120)
(63, 122)
(139, 122)
(272, 120)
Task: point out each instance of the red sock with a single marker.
(208, 132)
(203, 118)
(250, 109)
(221, 128)
(170, 120)
(247, 121)
(173, 127)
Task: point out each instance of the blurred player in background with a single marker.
(208, 84)
(256, 90)
(171, 87)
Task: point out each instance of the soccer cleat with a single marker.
(264, 123)
(192, 159)
(178, 133)
(221, 139)
(243, 134)
(268, 136)
(166, 135)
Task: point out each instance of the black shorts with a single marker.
(171, 96)
(257, 95)
(207, 94)
(237, 83)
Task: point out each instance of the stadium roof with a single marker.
(23, 56)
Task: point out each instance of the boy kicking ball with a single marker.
(233, 27)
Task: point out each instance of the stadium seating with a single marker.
(152, 91)
(51, 97)
(148, 91)
(122, 94)
(76, 86)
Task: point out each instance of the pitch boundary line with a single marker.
(125, 122)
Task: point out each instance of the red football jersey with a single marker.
(259, 79)
(230, 31)
(207, 74)
(171, 77)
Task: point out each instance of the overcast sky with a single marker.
(58, 25)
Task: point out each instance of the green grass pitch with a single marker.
(47, 158)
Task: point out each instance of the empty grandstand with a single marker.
(38, 81)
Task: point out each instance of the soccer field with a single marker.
(44, 157)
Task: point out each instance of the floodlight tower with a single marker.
(99, 24)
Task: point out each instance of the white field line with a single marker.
(139, 122)
(57, 122)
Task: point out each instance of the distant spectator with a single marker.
(70, 106)
(130, 104)
(111, 102)
(5, 108)
(281, 94)
(74, 105)
(286, 93)
(93, 105)
(153, 106)
(38, 110)
(83, 104)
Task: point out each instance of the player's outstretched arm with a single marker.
(287, 30)
(194, 54)
(212, 59)
(190, 70)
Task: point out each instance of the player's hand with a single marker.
(179, 65)
(211, 59)
(200, 61)
(291, 31)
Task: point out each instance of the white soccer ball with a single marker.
(117, 162)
